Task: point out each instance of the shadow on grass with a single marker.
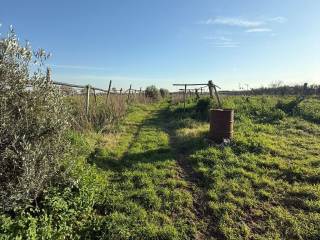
(164, 119)
(131, 159)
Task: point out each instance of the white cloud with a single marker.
(278, 19)
(222, 42)
(219, 38)
(254, 30)
(236, 22)
(226, 45)
(250, 26)
(242, 22)
(79, 67)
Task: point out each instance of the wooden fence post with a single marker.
(95, 96)
(184, 97)
(210, 85)
(87, 99)
(120, 91)
(48, 75)
(108, 91)
(129, 92)
(217, 95)
(197, 94)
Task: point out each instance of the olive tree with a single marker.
(164, 92)
(152, 92)
(33, 121)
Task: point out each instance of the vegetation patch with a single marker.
(264, 184)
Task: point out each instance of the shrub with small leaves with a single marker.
(152, 92)
(33, 121)
(164, 92)
(203, 106)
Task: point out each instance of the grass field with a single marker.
(158, 177)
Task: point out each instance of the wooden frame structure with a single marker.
(212, 88)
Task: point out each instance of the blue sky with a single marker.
(162, 42)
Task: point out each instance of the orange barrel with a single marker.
(221, 124)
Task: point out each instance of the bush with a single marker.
(152, 92)
(289, 107)
(203, 106)
(164, 92)
(33, 120)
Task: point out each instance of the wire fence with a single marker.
(198, 89)
(88, 91)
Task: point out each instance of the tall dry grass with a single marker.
(104, 113)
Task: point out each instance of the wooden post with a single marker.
(129, 92)
(120, 91)
(217, 95)
(87, 99)
(48, 75)
(140, 91)
(197, 94)
(210, 85)
(95, 96)
(108, 91)
(184, 97)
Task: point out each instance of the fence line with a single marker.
(88, 89)
(212, 88)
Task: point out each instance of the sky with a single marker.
(161, 42)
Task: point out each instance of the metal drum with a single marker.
(221, 124)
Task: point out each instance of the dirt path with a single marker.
(200, 199)
(203, 218)
(200, 209)
(150, 168)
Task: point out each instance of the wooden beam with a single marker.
(108, 91)
(210, 85)
(184, 97)
(189, 84)
(129, 92)
(217, 95)
(195, 84)
(87, 100)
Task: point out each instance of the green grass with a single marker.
(127, 186)
(266, 184)
(157, 177)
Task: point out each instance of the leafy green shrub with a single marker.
(33, 120)
(152, 92)
(307, 108)
(310, 110)
(289, 107)
(164, 92)
(203, 106)
(261, 109)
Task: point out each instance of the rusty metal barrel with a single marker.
(221, 124)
